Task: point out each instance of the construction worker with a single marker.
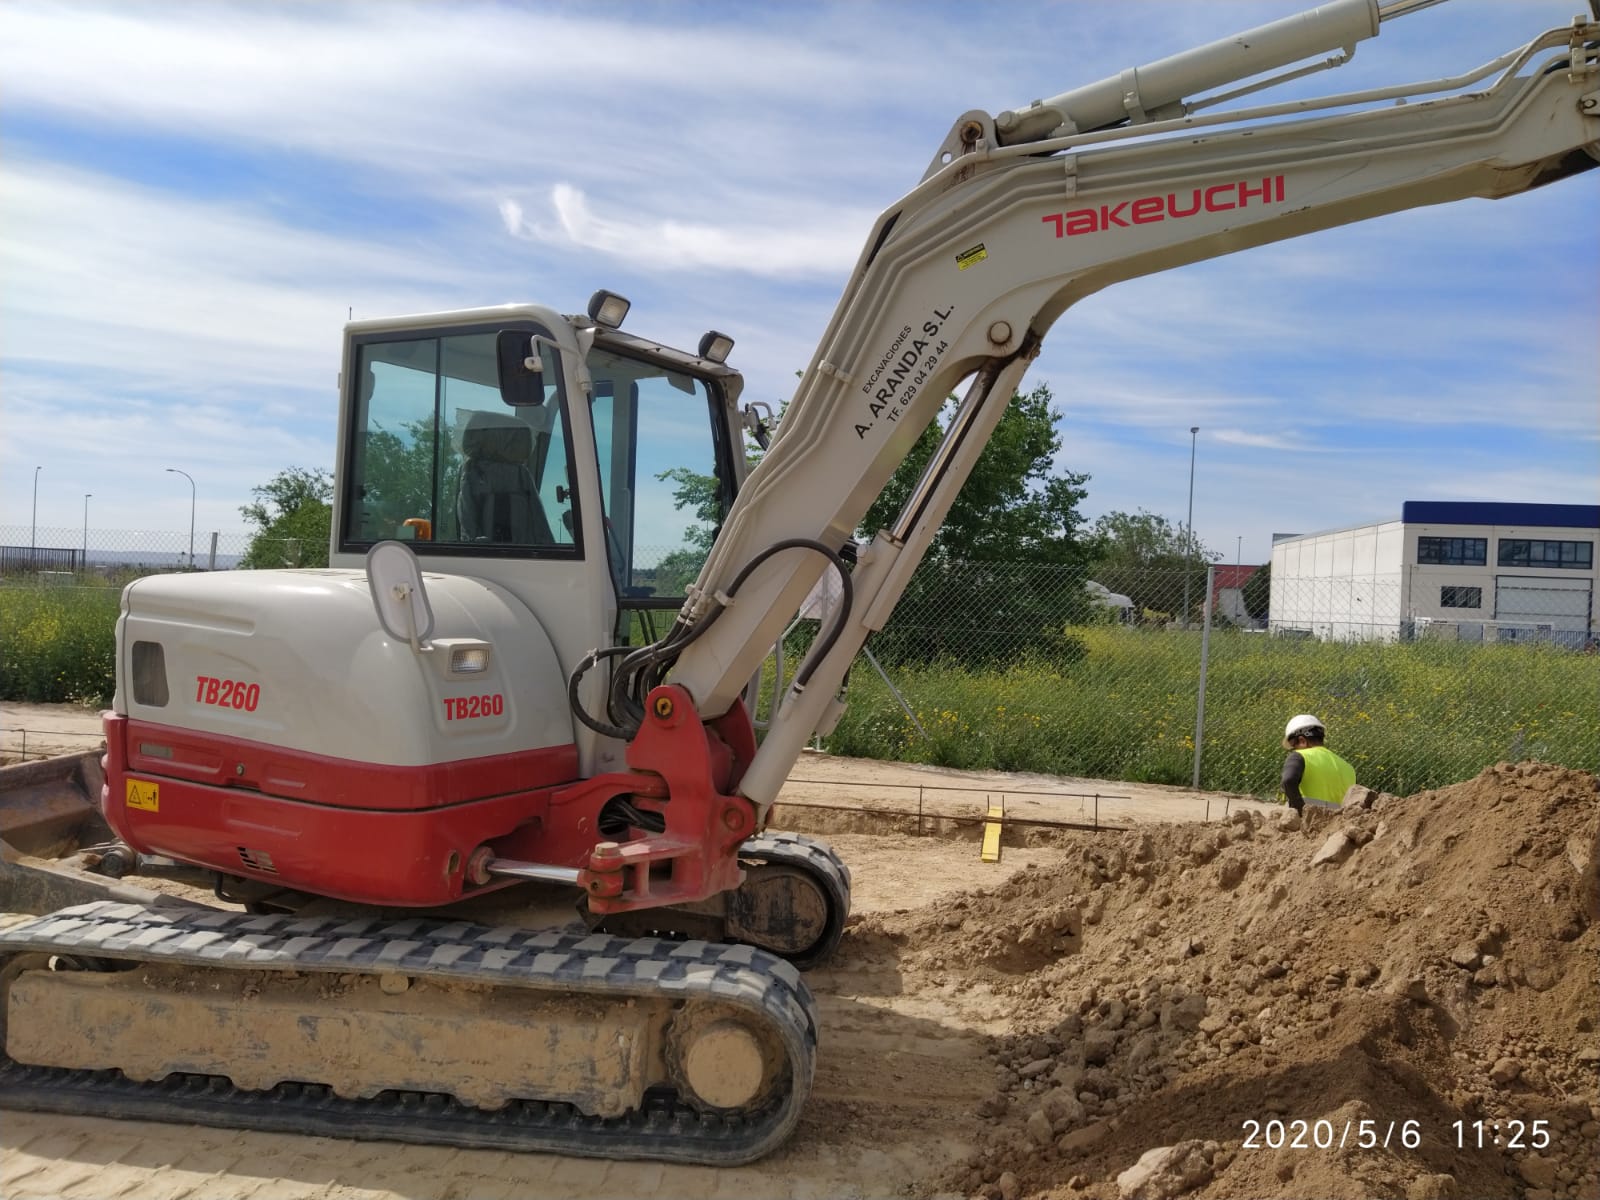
(1313, 774)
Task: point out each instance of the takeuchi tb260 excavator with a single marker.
(517, 667)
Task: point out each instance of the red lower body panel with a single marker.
(406, 836)
(355, 831)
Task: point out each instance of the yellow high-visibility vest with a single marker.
(1328, 777)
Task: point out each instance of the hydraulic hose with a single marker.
(645, 668)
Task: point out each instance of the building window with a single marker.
(1523, 552)
(1461, 597)
(1453, 551)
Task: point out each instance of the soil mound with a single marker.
(1395, 1000)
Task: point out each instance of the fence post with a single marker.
(1205, 656)
(212, 564)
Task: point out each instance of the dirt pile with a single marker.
(1397, 1000)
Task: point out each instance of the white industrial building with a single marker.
(1466, 571)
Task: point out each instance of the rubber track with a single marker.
(564, 963)
(827, 868)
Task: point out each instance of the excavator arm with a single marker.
(1020, 216)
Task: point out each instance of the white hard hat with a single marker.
(1304, 723)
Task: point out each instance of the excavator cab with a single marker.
(553, 455)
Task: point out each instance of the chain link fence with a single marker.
(1060, 671)
(112, 553)
(1030, 668)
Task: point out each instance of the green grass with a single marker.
(1408, 717)
(58, 644)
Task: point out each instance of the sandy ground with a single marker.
(40, 730)
(855, 783)
(902, 1063)
(898, 1072)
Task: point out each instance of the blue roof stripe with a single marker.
(1493, 512)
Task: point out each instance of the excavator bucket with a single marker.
(50, 810)
(50, 807)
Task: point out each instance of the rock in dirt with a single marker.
(1184, 1014)
(1538, 1171)
(1338, 847)
(1098, 1045)
(1081, 1141)
(1505, 1070)
(1358, 799)
(1432, 1187)
(1165, 1172)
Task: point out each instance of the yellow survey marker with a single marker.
(991, 830)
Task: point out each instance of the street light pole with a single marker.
(1238, 574)
(86, 496)
(190, 478)
(33, 533)
(1188, 528)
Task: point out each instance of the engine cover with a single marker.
(298, 660)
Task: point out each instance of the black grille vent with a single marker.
(257, 860)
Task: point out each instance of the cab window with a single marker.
(439, 460)
(662, 482)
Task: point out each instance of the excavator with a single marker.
(509, 676)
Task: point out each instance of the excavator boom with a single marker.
(964, 276)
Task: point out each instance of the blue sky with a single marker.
(193, 196)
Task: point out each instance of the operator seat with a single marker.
(496, 501)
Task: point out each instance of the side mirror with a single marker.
(519, 358)
(395, 579)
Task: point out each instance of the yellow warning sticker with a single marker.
(144, 795)
(969, 258)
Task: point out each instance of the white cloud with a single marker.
(173, 293)
(1258, 441)
(511, 218)
(455, 96)
(776, 250)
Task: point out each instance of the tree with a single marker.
(1148, 559)
(1258, 593)
(1012, 508)
(701, 495)
(293, 516)
(396, 480)
(986, 594)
